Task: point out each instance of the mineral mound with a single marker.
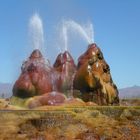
(35, 77)
(65, 68)
(93, 78)
(90, 80)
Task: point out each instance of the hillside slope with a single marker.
(130, 92)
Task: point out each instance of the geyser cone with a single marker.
(93, 78)
(35, 77)
(66, 67)
(62, 59)
(36, 54)
(94, 50)
(92, 53)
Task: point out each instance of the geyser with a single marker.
(86, 32)
(36, 32)
(65, 66)
(93, 78)
(35, 78)
(89, 80)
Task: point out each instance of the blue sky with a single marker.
(116, 26)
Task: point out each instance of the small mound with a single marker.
(50, 99)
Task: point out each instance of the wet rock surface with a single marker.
(35, 78)
(50, 99)
(65, 67)
(93, 78)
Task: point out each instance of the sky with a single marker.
(116, 31)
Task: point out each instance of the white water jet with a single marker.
(90, 32)
(65, 36)
(36, 32)
(86, 32)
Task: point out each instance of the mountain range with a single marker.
(5, 90)
(128, 92)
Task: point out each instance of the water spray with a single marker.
(36, 32)
(86, 32)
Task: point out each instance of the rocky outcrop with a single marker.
(35, 77)
(52, 99)
(90, 80)
(93, 78)
(65, 68)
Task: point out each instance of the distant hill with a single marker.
(6, 89)
(130, 92)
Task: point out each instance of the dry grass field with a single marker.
(69, 123)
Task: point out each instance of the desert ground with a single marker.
(70, 122)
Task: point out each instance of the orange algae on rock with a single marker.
(93, 78)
